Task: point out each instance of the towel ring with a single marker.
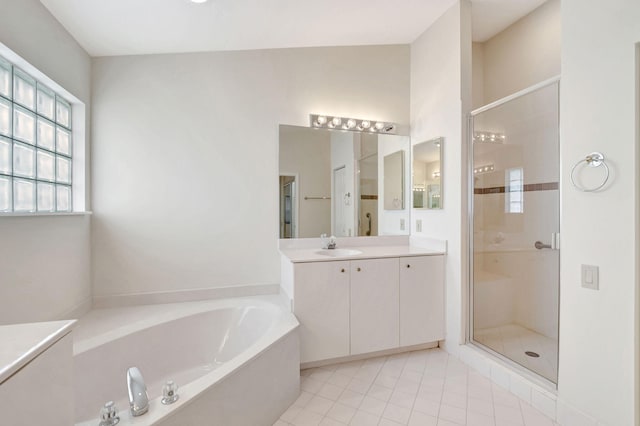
(595, 159)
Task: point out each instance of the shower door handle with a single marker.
(540, 245)
(369, 230)
(555, 242)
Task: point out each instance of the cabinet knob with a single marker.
(342, 270)
(358, 269)
(408, 266)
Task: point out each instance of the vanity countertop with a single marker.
(21, 343)
(301, 255)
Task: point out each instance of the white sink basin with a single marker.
(339, 252)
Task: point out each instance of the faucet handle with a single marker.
(325, 240)
(109, 415)
(170, 393)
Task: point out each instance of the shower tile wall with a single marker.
(517, 283)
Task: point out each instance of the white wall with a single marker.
(477, 82)
(44, 260)
(525, 53)
(440, 98)
(172, 132)
(598, 109)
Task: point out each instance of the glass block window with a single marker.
(514, 184)
(35, 145)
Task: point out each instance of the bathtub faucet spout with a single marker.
(138, 398)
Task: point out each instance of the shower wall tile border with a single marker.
(530, 187)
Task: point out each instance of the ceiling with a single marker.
(132, 27)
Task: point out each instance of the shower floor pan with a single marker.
(514, 341)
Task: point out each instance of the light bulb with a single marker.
(379, 126)
(336, 121)
(322, 119)
(351, 123)
(365, 124)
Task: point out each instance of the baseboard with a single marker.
(314, 364)
(152, 298)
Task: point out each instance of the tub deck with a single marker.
(215, 338)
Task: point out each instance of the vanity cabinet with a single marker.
(322, 307)
(374, 305)
(421, 300)
(353, 307)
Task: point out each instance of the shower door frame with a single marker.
(524, 371)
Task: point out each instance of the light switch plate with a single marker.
(402, 224)
(418, 225)
(590, 277)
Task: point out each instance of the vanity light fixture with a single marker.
(488, 137)
(483, 169)
(353, 124)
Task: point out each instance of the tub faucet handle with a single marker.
(170, 393)
(109, 415)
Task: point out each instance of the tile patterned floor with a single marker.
(422, 388)
(513, 340)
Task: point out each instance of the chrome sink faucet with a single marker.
(138, 397)
(328, 243)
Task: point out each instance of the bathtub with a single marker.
(235, 361)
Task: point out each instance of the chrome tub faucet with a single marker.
(138, 397)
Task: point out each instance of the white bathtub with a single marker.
(235, 361)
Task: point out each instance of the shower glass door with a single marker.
(515, 229)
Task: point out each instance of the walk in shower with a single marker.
(515, 208)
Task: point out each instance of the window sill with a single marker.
(46, 214)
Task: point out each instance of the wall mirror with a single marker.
(394, 181)
(427, 174)
(335, 182)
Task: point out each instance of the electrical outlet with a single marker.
(402, 224)
(590, 277)
(419, 225)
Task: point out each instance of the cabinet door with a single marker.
(421, 299)
(321, 304)
(374, 305)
